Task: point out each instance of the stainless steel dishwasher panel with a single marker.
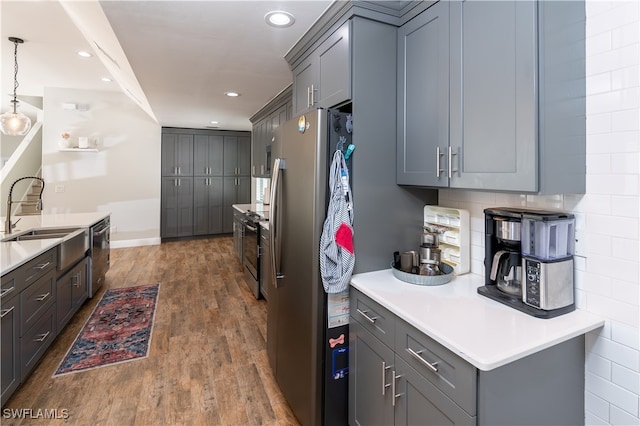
(100, 254)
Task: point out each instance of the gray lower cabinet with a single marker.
(236, 190)
(491, 96)
(398, 375)
(238, 233)
(177, 207)
(323, 79)
(27, 318)
(207, 205)
(9, 338)
(72, 289)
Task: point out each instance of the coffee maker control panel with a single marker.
(532, 283)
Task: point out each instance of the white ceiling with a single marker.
(183, 55)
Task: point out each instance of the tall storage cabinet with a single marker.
(199, 202)
(491, 95)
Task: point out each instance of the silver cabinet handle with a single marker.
(179, 182)
(253, 170)
(439, 168)
(43, 297)
(433, 366)
(42, 337)
(75, 280)
(6, 311)
(179, 172)
(313, 95)
(308, 96)
(385, 385)
(367, 317)
(451, 154)
(262, 169)
(175, 182)
(393, 387)
(175, 170)
(6, 290)
(42, 266)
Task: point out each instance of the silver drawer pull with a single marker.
(431, 366)
(367, 317)
(41, 298)
(6, 290)
(42, 266)
(6, 311)
(42, 337)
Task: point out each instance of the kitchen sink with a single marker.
(73, 247)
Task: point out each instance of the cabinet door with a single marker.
(177, 154)
(258, 143)
(228, 200)
(208, 155)
(419, 402)
(177, 207)
(493, 95)
(244, 155)
(305, 82)
(10, 340)
(64, 300)
(237, 156)
(370, 375)
(423, 98)
(80, 285)
(207, 206)
(334, 62)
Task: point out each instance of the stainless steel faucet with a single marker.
(8, 226)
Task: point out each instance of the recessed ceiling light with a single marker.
(232, 94)
(214, 122)
(84, 54)
(279, 19)
(106, 79)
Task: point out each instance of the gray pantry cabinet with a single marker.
(264, 122)
(491, 95)
(27, 318)
(204, 172)
(398, 375)
(323, 79)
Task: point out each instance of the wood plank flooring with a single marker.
(207, 364)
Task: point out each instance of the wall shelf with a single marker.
(78, 149)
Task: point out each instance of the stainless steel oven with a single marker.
(251, 251)
(100, 253)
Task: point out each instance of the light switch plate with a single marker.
(59, 188)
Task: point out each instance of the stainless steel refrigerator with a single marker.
(307, 334)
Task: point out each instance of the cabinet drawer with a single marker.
(35, 268)
(452, 375)
(35, 299)
(9, 285)
(36, 341)
(376, 319)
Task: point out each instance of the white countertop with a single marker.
(484, 332)
(261, 209)
(16, 253)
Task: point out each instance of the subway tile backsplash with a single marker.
(607, 271)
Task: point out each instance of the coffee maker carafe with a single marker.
(506, 266)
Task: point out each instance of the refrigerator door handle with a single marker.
(274, 222)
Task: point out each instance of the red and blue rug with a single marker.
(118, 330)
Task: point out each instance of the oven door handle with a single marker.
(251, 228)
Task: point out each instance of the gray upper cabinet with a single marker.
(177, 154)
(514, 115)
(323, 79)
(237, 155)
(208, 159)
(275, 113)
(423, 98)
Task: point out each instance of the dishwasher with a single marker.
(100, 253)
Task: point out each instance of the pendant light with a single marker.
(15, 123)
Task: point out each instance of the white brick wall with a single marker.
(607, 273)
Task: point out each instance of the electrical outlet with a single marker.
(59, 188)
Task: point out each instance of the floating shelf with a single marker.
(78, 149)
(452, 227)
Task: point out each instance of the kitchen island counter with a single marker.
(15, 253)
(485, 333)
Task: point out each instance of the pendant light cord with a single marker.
(15, 71)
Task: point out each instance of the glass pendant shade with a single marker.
(14, 123)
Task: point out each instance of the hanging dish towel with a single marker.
(336, 243)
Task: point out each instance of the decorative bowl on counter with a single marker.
(416, 279)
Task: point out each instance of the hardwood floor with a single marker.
(207, 363)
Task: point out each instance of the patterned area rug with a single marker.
(118, 330)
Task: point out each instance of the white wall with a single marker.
(123, 177)
(607, 272)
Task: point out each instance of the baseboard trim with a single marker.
(135, 243)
